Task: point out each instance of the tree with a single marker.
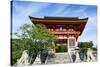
(43, 38)
(36, 39)
(83, 49)
(85, 45)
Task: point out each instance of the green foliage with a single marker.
(85, 44)
(16, 55)
(16, 50)
(61, 48)
(32, 38)
(84, 47)
(42, 33)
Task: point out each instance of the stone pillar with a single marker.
(37, 60)
(90, 56)
(24, 59)
(69, 50)
(77, 55)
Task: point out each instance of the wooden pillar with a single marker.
(76, 36)
(76, 43)
(68, 44)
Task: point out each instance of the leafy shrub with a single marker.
(61, 48)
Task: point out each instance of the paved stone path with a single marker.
(59, 58)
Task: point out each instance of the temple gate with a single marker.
(67, 29)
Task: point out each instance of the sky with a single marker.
(21, 10)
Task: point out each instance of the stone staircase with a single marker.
(59, 58)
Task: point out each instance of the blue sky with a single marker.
(22, 10)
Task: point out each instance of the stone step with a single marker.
(59, 58)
